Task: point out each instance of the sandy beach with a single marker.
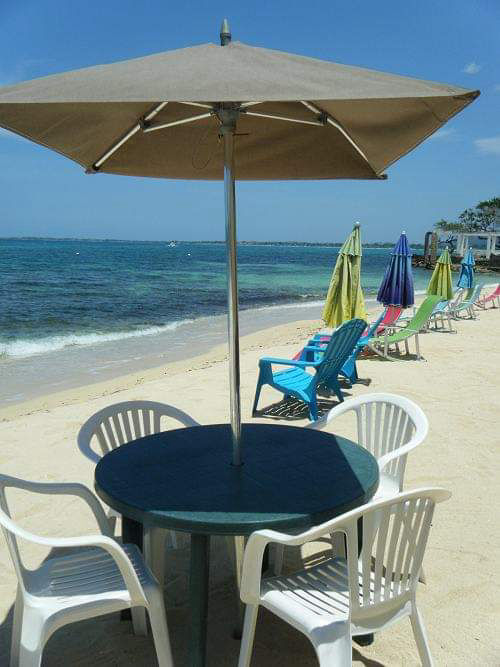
(458, 388)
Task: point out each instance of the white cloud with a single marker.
(489, 145)
(472, 68)
(443, 134)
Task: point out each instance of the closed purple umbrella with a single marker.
(397, 286)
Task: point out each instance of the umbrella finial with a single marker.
(357, 223)
(225, 33)
(403, 232)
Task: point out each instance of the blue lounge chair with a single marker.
(467, 303)
(440, 313)
(349, 369)
(297, 382)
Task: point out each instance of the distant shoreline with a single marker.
(312, 244)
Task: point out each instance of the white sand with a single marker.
(458, 388)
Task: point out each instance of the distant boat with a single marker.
(172, 244)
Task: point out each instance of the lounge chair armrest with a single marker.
(287, 362)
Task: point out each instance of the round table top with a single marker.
(291, 479)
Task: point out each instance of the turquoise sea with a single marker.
(81, 310)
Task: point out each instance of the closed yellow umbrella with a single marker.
(440, 283)
(344, 300)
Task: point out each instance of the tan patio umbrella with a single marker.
(232, 111)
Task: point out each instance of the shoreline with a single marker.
(104, 363)
(214, 355)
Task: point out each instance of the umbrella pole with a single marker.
(227, 130)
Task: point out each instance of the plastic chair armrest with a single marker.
(65, 488)
(105, 542)
(288, 362)
(254, 552)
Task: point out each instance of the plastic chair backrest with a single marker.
(394, 539)
(386, 573)
(120, 423)
(341, 345)
(385, 423)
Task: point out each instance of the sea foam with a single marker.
(29, 348)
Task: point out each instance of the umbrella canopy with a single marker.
(440, 282)
(466, 278)
(344, 300)
(343, 122)
(397, 286)
(231, 111)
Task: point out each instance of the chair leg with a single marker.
(337, 650)
(139, 621)
(338, 545)
(257, 396)
(279, 553)
(421, 638)
(417, 345)
(32, 639)
(17, 624)
(154, 551)
(236, 547)
(159, 630)
(249, 624)
(338, 391)
(313, 409)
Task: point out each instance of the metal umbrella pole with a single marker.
(228, 119)
(228, 115)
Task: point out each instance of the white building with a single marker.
(483, 244)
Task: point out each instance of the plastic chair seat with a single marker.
(319, 596)
(91, 572)
(310, 598)
(295, 379)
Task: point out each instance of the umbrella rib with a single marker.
(286, 118)
(118, 144)
(182, 121)
(334, 123)
(197, 104)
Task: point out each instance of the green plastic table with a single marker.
(292, 478)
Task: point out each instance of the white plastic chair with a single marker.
(389, 427)
(118, 424)
(97, 577)
(341, 598)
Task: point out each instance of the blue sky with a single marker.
(44, 194)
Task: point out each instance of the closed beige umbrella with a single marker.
(231, 111)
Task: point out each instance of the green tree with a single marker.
(479, 219)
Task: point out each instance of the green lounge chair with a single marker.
(418, 322)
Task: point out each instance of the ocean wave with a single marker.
(31, 347)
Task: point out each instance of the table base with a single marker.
(198, 598)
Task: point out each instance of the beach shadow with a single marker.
(368, 662)
(293, 409)
(395, 356)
